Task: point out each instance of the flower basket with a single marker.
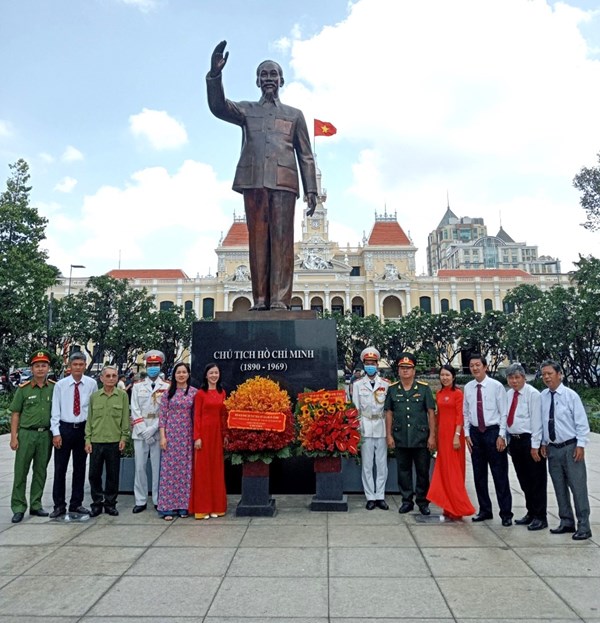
(328, 429)
(259, 426)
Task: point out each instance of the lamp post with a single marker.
(71, 274)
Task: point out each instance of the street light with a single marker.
(71, 274)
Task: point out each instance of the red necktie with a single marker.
(76, 400)
(513, 408)
(480, 418)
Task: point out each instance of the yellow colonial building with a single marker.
(377, 277)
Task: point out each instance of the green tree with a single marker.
(114, 322)
(587, 181)
(440, 335)
(172, 333)
(487, 335)
(25, 274)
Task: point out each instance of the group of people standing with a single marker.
(543, 432)
(175, 425)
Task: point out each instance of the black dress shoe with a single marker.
(481, 517)
(582, 535)
(370, 505)
(382, 504)
(424, 509)
(17, 517)
(82, 510)
(39, 512)
(562, 529)
(139, 508)
(406, 507)
(95, 511)
(524, 521)
(57, 512)
(507, 521)
(111, 510)
(537, 524)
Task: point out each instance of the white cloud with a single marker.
(66, 185)
(145, 6)
(494, 101)
(46, 157)
(71, 154)
(153, 221)
(5, 129)
(158, 128)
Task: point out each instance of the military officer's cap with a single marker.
(370, 352)
(154, 356)
(40, 355)
(407, 359)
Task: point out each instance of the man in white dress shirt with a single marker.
(524, 426)
(485, 410)
(69, 413)
(368, 395)
(566, 428)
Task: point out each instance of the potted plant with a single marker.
(328, 429)
(259, 426)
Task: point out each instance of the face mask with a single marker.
(153, 371)
(371, 370)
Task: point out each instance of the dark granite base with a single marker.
(321, 505)
(249, 510)
(305, 314)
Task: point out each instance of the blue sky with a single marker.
(494, 102)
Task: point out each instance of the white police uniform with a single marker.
(368, 395)
(145, 401)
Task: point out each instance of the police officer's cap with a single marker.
(154, 356)
(407, 359)
(370, 353)
(40, 355)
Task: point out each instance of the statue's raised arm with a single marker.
(218, 60)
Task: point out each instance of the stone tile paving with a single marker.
(298, 567)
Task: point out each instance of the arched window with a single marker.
(188, 308)
(337, 305)
(466, 304)
(488, 305)
(208, 308)
(296, 304)
(166, 305)
(358, 307)
(240, 304)
(444, 305)
(392, 307)
(316, 304)
(425, 303)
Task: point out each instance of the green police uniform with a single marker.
(410, 425)
(410, 429)
(34, 404)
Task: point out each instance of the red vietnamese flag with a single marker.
(324, 128)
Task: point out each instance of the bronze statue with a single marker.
(273, 137)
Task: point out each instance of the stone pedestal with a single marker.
(256, 500)
(295, 349)
(329, 494)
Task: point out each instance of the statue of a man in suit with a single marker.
(275, 143)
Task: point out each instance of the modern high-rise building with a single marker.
(464, 244)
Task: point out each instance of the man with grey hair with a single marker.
(524, 428)
(566, 428)
(70, 403)
(106, 432)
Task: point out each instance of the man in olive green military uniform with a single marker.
(410, 430)
(30, 437)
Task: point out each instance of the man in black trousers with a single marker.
(485, 410)
(69, 413)
(524, 426)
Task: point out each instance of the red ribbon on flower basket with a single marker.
(328, 424)
(259, 425)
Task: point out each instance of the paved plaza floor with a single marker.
(298, 567)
